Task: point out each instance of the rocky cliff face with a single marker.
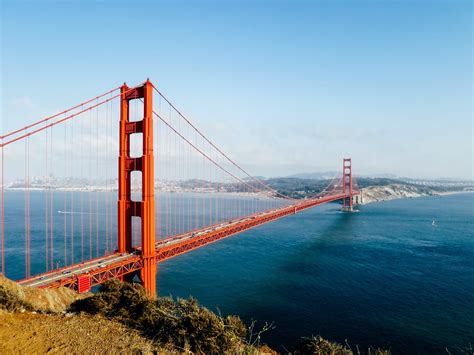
(393, 191)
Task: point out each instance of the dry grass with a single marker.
(15, 297)
(317, 345)
(28, 333)
(182, 324)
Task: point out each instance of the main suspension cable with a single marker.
(260, 182)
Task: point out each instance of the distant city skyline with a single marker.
(283, 87)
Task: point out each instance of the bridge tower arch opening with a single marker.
(347, 184)
(128, 208)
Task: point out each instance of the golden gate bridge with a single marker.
(82, 216)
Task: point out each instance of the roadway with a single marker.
(116, 265)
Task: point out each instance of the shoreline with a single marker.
(374, 194)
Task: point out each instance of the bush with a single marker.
(317, 345)
(11, 302)
(184, 324)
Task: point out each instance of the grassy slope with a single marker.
(30, 333)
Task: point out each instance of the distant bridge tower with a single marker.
(347, 185)
(145, 209)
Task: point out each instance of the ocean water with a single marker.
(384, 276)
(381, 277)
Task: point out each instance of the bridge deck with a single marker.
(115, 265)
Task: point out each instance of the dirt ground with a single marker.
(29, 333)
(41, 299)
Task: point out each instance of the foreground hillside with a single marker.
(120, 318)
(29, 333)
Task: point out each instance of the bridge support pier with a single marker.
(128, 208)
(347, 185)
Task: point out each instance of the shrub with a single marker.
(11, 302)
(184, 324)
(317, 345)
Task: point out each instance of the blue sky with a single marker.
(282, 86)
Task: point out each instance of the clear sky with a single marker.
(282, 86)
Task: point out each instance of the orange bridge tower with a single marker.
(128, 208)
(347, 185)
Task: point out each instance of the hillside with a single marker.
(30, 333)
(15, 297)
(120, 318)
(373, 189)
(394, 191)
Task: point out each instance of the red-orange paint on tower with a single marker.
(145, 209)
(347, 184)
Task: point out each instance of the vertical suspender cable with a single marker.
(26, 218)
(91, 149)
(175, 195)
(51, 205)
(65, 199)
(208, 173)
(3, 211)
(196, 185)
(97, 190)
(46, 208)
(190, 198)
(71, 161)
(27, 210)
(106, 177)
(82, 189)
(167, 211)
(179, 163)
(157, 142)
